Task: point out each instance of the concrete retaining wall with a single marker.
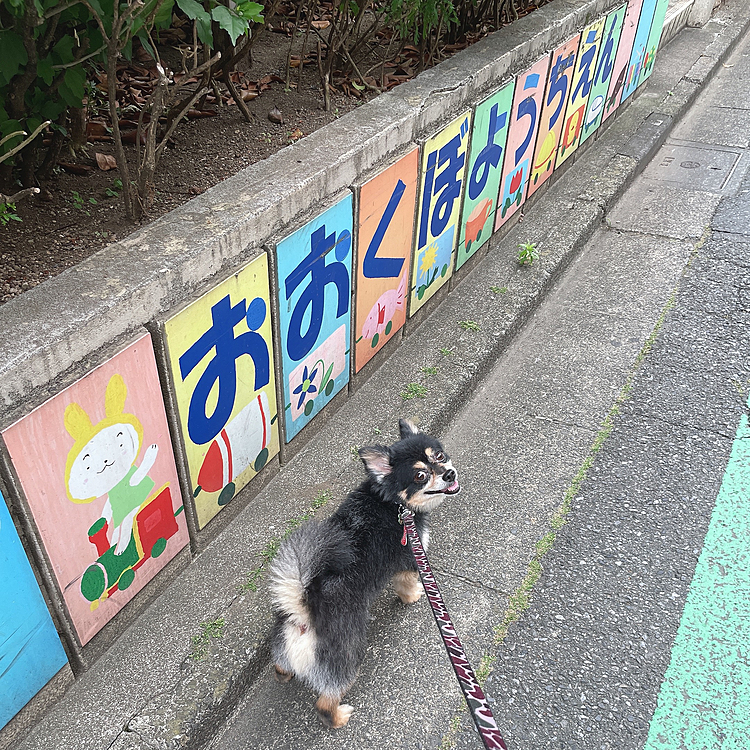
(149, 392)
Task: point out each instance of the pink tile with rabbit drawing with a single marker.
(95, 463)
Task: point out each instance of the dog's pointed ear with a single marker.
(377, 461)
(407, 428)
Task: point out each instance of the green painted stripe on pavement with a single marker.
(704, 701)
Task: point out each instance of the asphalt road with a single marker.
(652, 319)
(624, 616)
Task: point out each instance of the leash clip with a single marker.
(402, 515)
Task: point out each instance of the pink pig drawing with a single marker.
(384, 309)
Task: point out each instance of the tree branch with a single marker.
(20, 195)
(25, 142)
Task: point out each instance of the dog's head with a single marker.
(415, 471)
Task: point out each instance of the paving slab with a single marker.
(725, 125)
(665, 211)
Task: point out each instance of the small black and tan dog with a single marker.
(327, 574)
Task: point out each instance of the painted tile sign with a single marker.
(443, 168)
(605, 66)
(553, 113)
(622, 58)
(221, 355)
(30, 649)
(653, 40)
(524, 124)
(583, 79)
(638, 55)
(97, 468)
(386, 226)
(314, 266)
(489, 134)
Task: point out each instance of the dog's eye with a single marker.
(420, 476)
(440, 456)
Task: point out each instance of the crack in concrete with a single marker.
(471, 581)
(738, 235)
(555, 420)
(646, 235)
(683, 425)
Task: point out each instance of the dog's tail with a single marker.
(303, 556)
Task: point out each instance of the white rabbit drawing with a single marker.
(102, 462)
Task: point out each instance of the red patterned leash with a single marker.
(475, 697)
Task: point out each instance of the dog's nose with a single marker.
(449, 476)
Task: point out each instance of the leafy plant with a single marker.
(114, 190)
(430, 370)
(79, 202)
(527, 253)
(469, 325)
(417, 19)
(499, 289)
(202, 642)
(8, 214)
(414, 390)
(445, 351)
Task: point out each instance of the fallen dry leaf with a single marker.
(79, 169)
(105, 162)
(96, 127)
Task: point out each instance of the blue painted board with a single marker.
(638, 55)
(30, 649)
(314, 268)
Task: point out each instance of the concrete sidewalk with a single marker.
(184, 665)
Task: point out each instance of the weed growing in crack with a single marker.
(527, 253)
(414, 390)
(449, 738)
(201, 643)
(252, 577)
(469, 325)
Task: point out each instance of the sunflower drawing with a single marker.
(428, 259)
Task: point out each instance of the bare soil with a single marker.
(75, 216)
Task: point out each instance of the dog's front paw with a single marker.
(281, 675)
(411, 597)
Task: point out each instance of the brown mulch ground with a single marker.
(65, 226)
